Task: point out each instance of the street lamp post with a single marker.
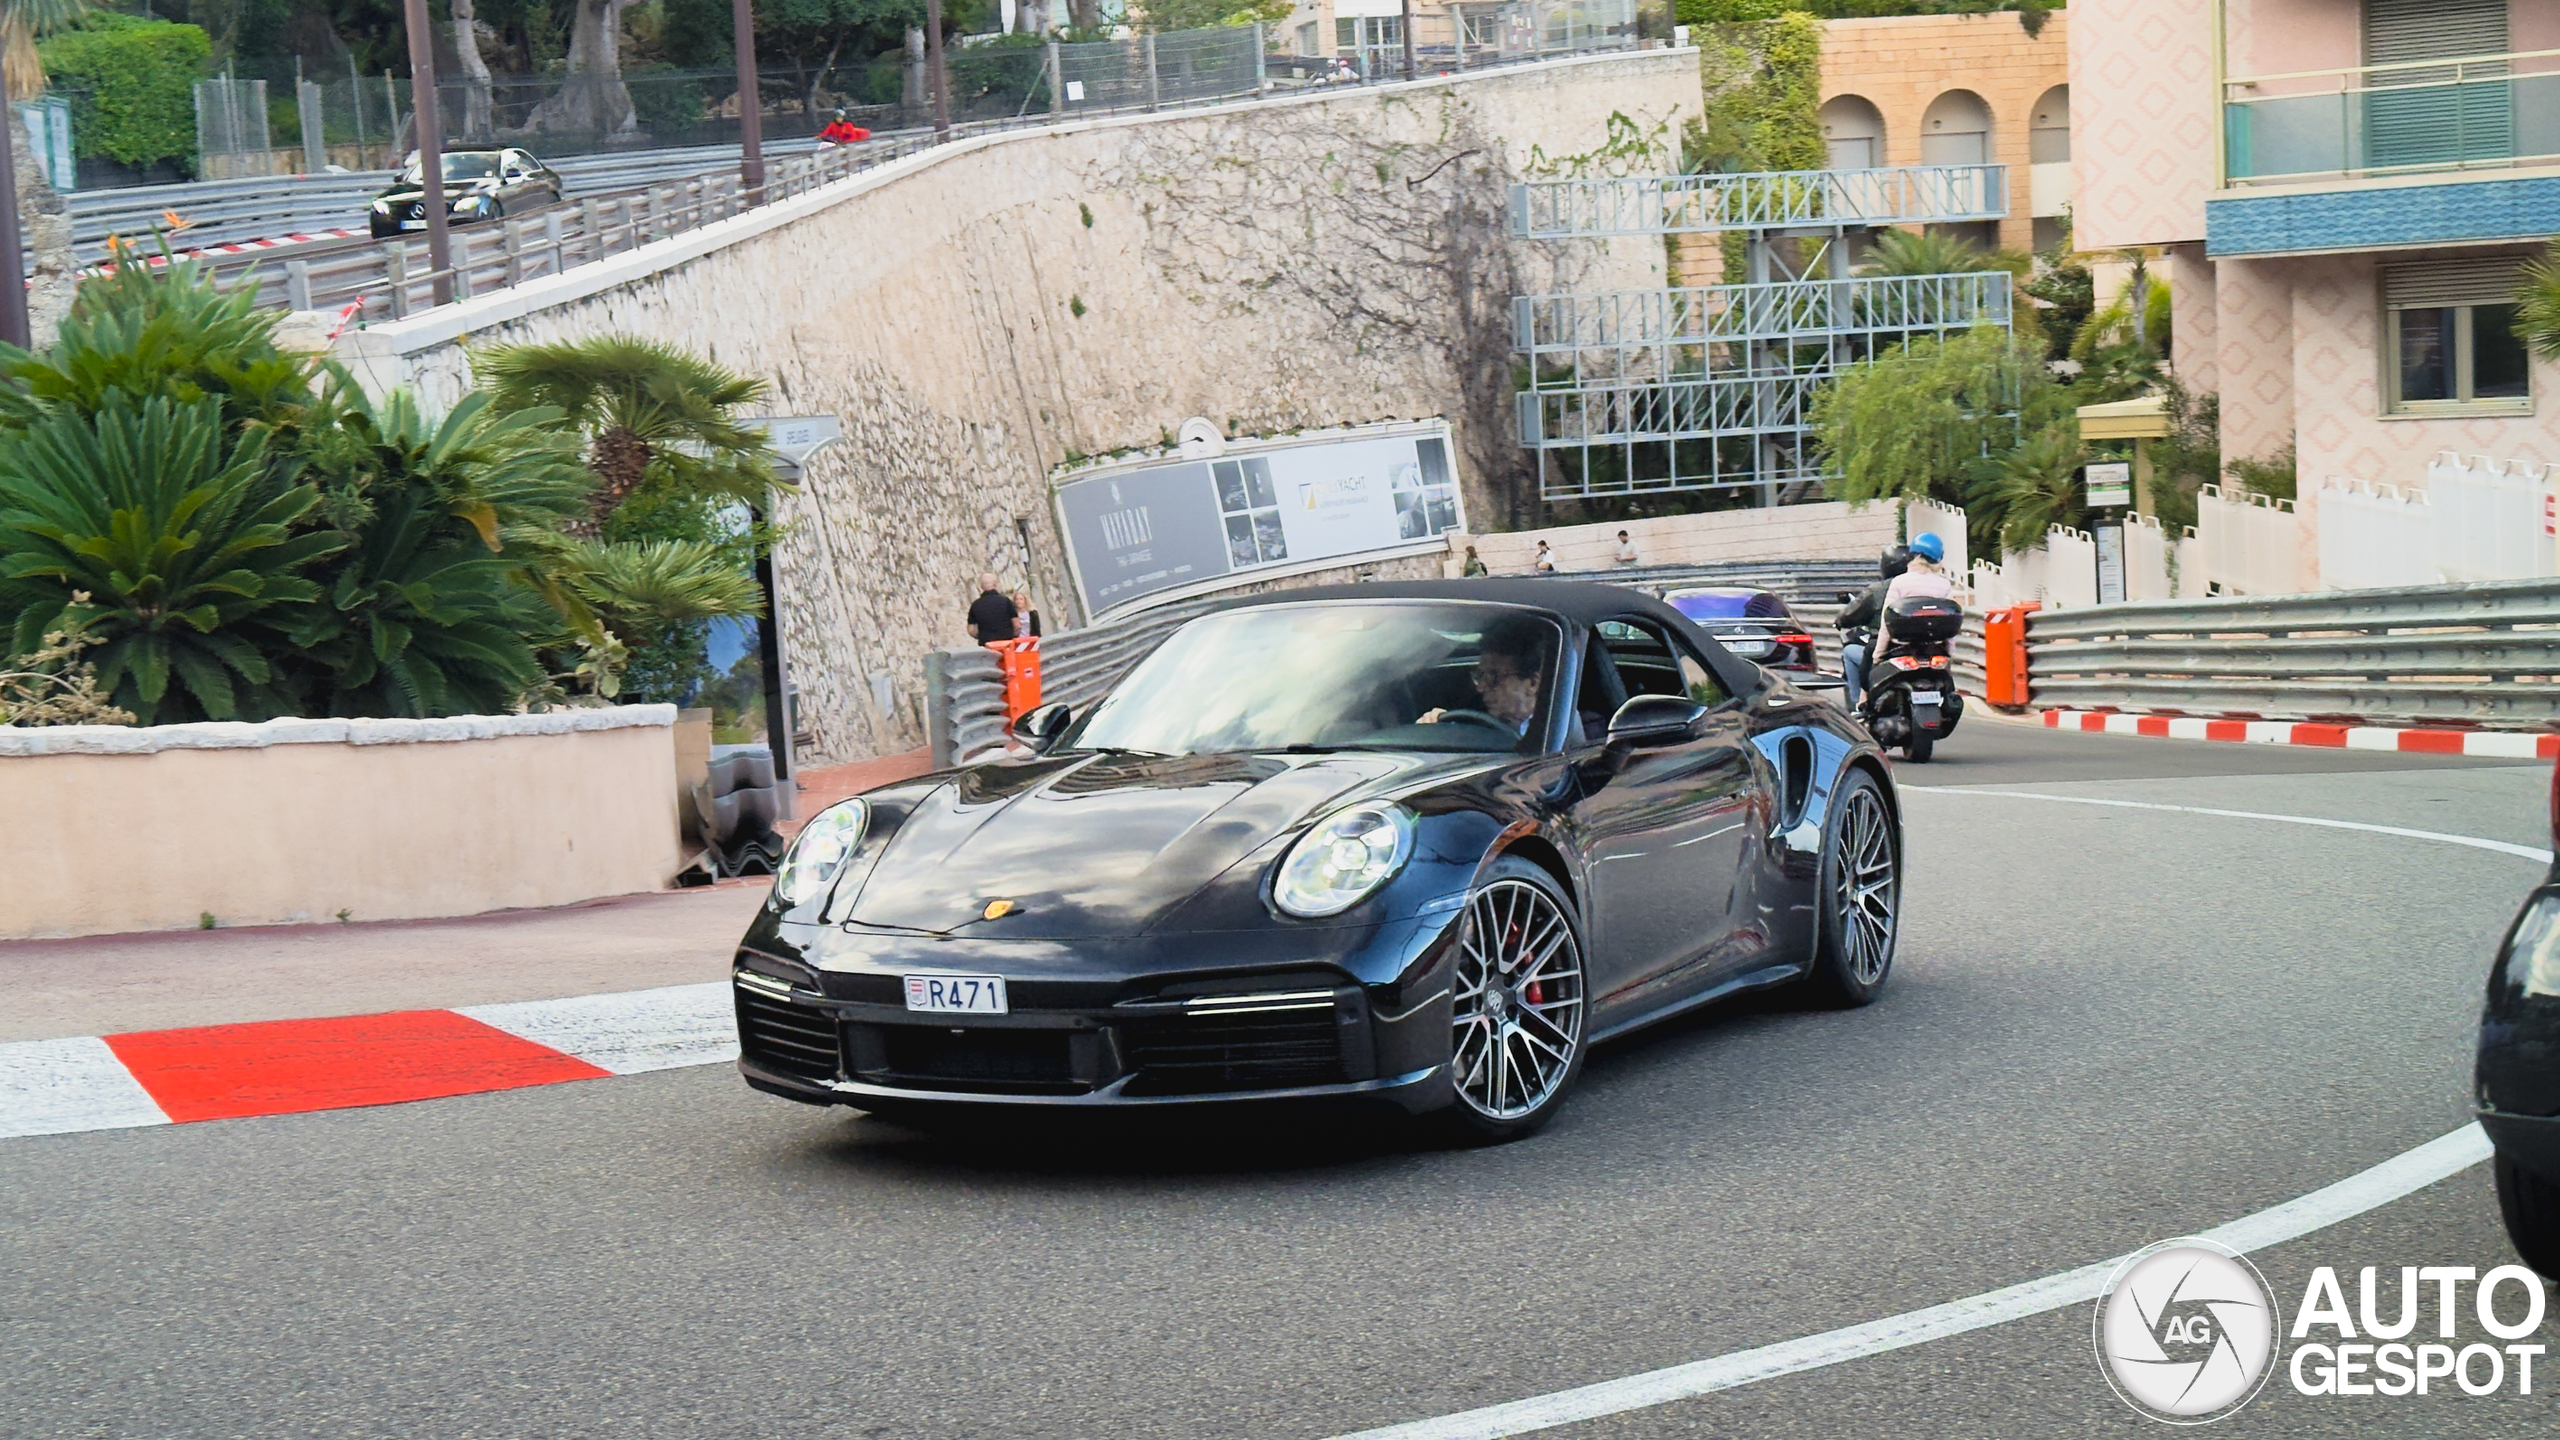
(933, 59)
(422, 105)
(750, 105)
(13, 249)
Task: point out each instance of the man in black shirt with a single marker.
(1866, 613)
(991, 614)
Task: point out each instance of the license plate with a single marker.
(958, 994)
(1750, 649)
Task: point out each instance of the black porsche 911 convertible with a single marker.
(1412, 844)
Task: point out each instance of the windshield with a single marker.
(1336, 676)
(466, 165)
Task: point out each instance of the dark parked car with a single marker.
(1418, 845)
(478, 185)
(2518, 1079)
(1753, 623)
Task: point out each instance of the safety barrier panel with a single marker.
(2486, 654)
(2250, 545)
(2375, 536)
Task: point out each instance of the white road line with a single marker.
(57, 1087)
(2402, 1175)
(2405, 1174)
(629, 1032)
(2526, 852)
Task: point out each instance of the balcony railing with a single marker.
(2475, 112)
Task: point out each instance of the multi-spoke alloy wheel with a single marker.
(1517, 1016)
(1861, 894)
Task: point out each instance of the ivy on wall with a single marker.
(1763, 81)
(2031, 13)
(131, 84)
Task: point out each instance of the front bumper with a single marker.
(2532, 1141)
(1089, 1029)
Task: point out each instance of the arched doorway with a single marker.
(1956, 130)
(1854, 130)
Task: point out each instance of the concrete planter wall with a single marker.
(108, 829)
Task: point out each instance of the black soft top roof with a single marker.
(1583, 602)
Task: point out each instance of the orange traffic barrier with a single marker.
(1021, 662)
(2004, 654)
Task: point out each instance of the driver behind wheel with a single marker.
(1509, 672)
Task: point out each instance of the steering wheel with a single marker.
(1474, 717)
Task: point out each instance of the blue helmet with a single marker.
(1929, 548)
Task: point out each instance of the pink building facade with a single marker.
(2343, 189)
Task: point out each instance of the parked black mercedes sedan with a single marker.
(1418, 845)
(2518, 1077)
(478, 185)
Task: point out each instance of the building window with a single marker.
(2449, 340)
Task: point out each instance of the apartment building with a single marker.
(2343, 189)
(1450, 34)
(1958, 90)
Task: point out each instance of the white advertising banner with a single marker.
(1139, 530)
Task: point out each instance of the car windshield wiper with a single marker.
(1121, 750)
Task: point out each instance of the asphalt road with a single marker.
(2107, 1027)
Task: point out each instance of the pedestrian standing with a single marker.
(1626, 549)
(991, 614)
(1545, 563)
(1475, 565)
(1026, 616)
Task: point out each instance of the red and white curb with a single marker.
(285, 1067)
(2486, 744)
(232, 247)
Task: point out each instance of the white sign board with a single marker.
(2110, 564)
(1134, 531)
(1075, 92)
(2110, 483)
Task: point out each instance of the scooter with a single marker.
(1910, 699)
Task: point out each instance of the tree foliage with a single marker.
(131, 84)
(2538, 304)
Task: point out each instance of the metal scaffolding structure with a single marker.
(1711, 387)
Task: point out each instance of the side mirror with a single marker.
(1846, 598)
(1654, 719)
(1040, 727)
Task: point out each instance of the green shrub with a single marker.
(132, 86)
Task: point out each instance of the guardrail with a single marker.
(232, 211)
(964, 685)
(224, 212)
(2485, 654)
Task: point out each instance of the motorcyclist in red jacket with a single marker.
(841, 131)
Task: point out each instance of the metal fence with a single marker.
(1602, 206)
(2487, 654)
(231, 119)
(964, 686)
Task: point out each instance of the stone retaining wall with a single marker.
(984, 312)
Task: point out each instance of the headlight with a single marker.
(381, 207)
(471, 202)
(1349, 854)
(818, 853)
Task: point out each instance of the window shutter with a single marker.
(2451, 282)
(2396, 31)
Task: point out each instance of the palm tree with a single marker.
(1918, 252)
(44, 224)
(641, 404)
(2538, 304)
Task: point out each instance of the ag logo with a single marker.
(2186, 1331)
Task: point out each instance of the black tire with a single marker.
(1853, 957)
(1493, 1039)
(2530, 1203)
(1920, 748)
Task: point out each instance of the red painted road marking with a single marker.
(279, 1067)
(2484, 744)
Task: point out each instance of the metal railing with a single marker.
(2485, 654)
(1700, 204)
(964, 685)
(1788, 311)
(2449, 114)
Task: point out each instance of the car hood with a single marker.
(1092, 846)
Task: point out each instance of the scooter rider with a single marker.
(1862, 616)
(1921, 577)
